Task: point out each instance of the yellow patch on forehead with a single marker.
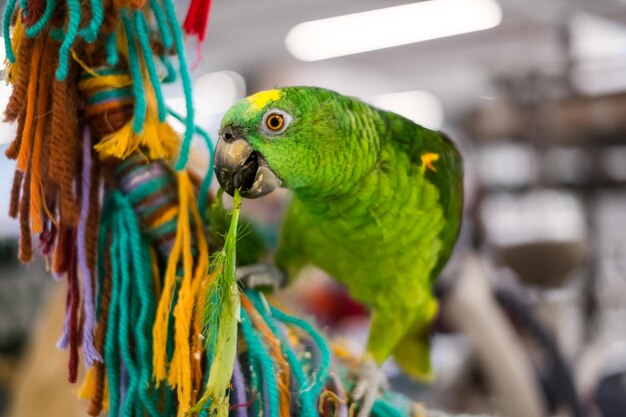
(259, 100)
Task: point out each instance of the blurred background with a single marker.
(533, 317)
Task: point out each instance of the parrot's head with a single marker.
(294, 137)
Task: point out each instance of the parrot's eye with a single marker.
(275, 121)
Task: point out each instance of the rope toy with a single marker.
(153, 306)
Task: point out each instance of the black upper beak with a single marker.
(238, 166)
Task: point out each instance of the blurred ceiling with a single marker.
(247, 36)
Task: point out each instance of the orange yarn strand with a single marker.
(276, 352)
(22, 157)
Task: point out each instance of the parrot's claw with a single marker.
(370, 380)
(261, 275)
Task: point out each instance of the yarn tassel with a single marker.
(181, 364)
(197, 18)
(147, 129)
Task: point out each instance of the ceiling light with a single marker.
(392, 26)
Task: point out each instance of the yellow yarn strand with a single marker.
(88, 389)
(180, 369)
(156, 274)
(105, 81)
(161, 322)
(83, 65)
(165, 217)
(157, 139)
(16, 40)
(200, 283)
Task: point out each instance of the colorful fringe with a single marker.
(157, 314)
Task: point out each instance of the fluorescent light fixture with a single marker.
(392, 26)
(594, 37)
(422, 107)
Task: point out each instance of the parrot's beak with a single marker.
(237, 165)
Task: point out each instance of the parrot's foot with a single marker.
(261, 275)
(370, 381)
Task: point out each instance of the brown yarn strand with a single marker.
(14, 147)
(95, 406)
(93, 216)
(35, 9)
(14, 205)
(64, 143)
(25, 251)
(17, 101)
(61, 258)
(74, 331)
(39, 140)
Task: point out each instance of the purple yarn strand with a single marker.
(343, 406)
(123, 385)
(239, 389)
(64, 340)
(89, 351)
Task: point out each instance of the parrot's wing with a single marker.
(444, 169)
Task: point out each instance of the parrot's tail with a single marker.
(413, 355)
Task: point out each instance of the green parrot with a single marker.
(377, 202)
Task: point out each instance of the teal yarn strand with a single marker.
(38, 26)
(135, 71)
(255, 388)
(141, 28)
(142, 289)
(73, 7)
(90, 32)
(125, 312)
(384, 409)
(111, 353)
(159, 16)
(57, 34)
(203, 192)
(144, 190)
(6, 29)
(170, 77)
(111, 48)
(186, 80)
(307, 408)
(132, 309)
(257, 352)
(320, 342)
